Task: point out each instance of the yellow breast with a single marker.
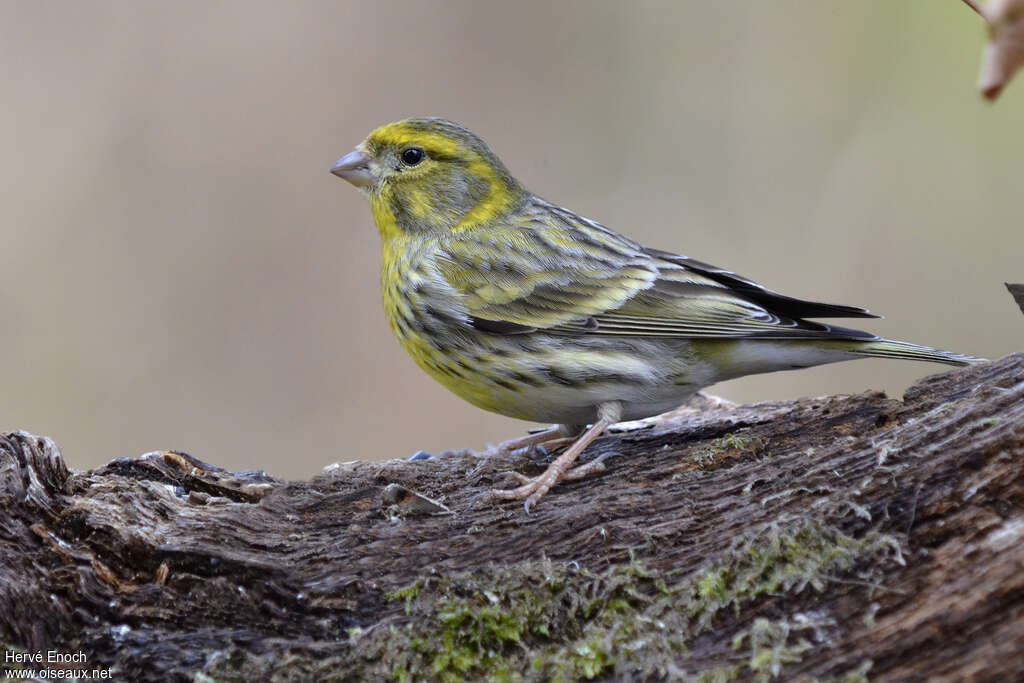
(418, 310)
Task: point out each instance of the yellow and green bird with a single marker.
(526, 309)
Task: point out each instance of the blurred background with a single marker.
(179, 269)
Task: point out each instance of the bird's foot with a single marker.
(532, 489)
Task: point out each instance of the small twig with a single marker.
(976, 7)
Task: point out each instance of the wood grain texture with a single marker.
(163, 567)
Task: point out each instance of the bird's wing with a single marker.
(690, 299)
(538, 275)
(557, 272)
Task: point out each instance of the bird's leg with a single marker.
(547, 439)
(550, 439)
(543, 437)
(534, 489)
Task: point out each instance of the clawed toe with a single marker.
(532, 489)
(521, 479)
(529, 486)
(593, 467)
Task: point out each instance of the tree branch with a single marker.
(825, 537)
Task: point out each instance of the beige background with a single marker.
(180, 271)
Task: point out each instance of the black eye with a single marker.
(412, 156)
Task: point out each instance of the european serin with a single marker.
(529, 310)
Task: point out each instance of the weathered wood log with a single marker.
(839, 538)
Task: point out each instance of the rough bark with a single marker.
(830, 538)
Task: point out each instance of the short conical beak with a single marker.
(355, 168)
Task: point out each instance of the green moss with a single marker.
(858, 675)
(721, 674)
(10, 666)
(784, 558)
(770, 648)
(589, 659)
(570, 624)
(536, 619)
(765, 647)
(730, 442)
(713, 586)
(707, 457)
(408, 594)
(560, 622)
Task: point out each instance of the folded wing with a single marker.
(563, 274)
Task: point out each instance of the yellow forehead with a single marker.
(403, 134)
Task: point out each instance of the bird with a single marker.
(527, 309)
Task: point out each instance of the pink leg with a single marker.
(551, 438)
(542, 437)
(534, 489)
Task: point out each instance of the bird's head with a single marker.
(429, 175)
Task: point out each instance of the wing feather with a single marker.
(554, 271)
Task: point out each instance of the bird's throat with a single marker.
(384, 217)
